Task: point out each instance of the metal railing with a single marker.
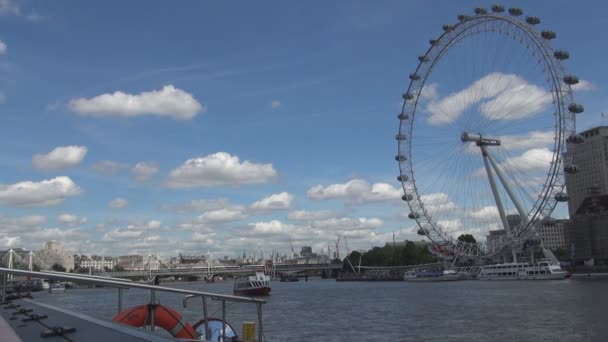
(121, 285)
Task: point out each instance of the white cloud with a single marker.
(348, 223)
(118, 203)
(222, 215)
(272, 227)
(8, 7)
(154, 224)
(120, 234)
(430, 92)
(437, 203)
(3, 48)
(44, 193)
(275, 104)
(71, 219)
(355, 191)
(583, 85)
(532, 160)
(167, 102)
(528, 140)
(60, 158)
(305, 215)
(109, 167)
(510, 97)
(144, 171)
(219, 169)
(280, 201)
(487, 213)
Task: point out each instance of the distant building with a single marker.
(53, 253)
(553, 236)
(586, 233)
(495, 238)
(95, 262)
(306, 251)
(130, 262)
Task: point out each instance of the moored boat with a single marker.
(255, 285)
(542, 270)
(447, 275)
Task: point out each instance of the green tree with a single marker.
(58, 268)
(467, 238)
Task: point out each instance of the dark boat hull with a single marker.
(257, 291)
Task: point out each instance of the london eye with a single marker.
(483, 133)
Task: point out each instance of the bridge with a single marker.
(211, 271)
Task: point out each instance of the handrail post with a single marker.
(260, 323)
(205, 316)
(223, 320)
(4, 276)
(151, 308)
(119, 300)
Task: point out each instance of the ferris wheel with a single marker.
(483, 133)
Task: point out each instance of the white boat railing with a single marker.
(121, 285)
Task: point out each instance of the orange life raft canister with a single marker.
(164, 317)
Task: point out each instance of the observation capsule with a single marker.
(576, 108)
(548, 35)
(533, 20)
(408, 96)
(571, 169)
(414, 77)
(403, 178)
(515, 11)
(407, 197)
(561, 55)
(463, 17)
(400, 158)
(413, 216)
(570, 79)
(480, 11)
(562, 197)
(403, 116)
(400, 137)
(424, 58)
(575, 139)
(498, 9)
(421, 231)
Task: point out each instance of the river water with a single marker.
(325, 310)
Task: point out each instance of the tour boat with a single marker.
(447, 275)
(57, 288)
(255, 285)
(542, 270)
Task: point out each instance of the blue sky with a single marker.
(310, 88)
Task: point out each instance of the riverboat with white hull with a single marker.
(541, 270)
(447, 275)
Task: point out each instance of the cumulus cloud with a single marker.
(583, 85)
(280, 201)
(120, 234)
(275, 104)
(348, 223)
(527, 140)
(109, 167)
(502, 97)
(437, 203)
(118, 203)
(222, 215)
(355, 191)
(3, 48)
(167, 102)
(60, 158)
(219, 169)
(272, 227)
(45, 193)
(306, 215)
(201, 205)
(535, 159)
(8, 7)
(144, 171)
(71, 219)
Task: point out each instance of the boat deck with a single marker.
(18, 323)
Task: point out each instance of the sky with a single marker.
(164, 128)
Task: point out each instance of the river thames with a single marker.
(325, 310)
